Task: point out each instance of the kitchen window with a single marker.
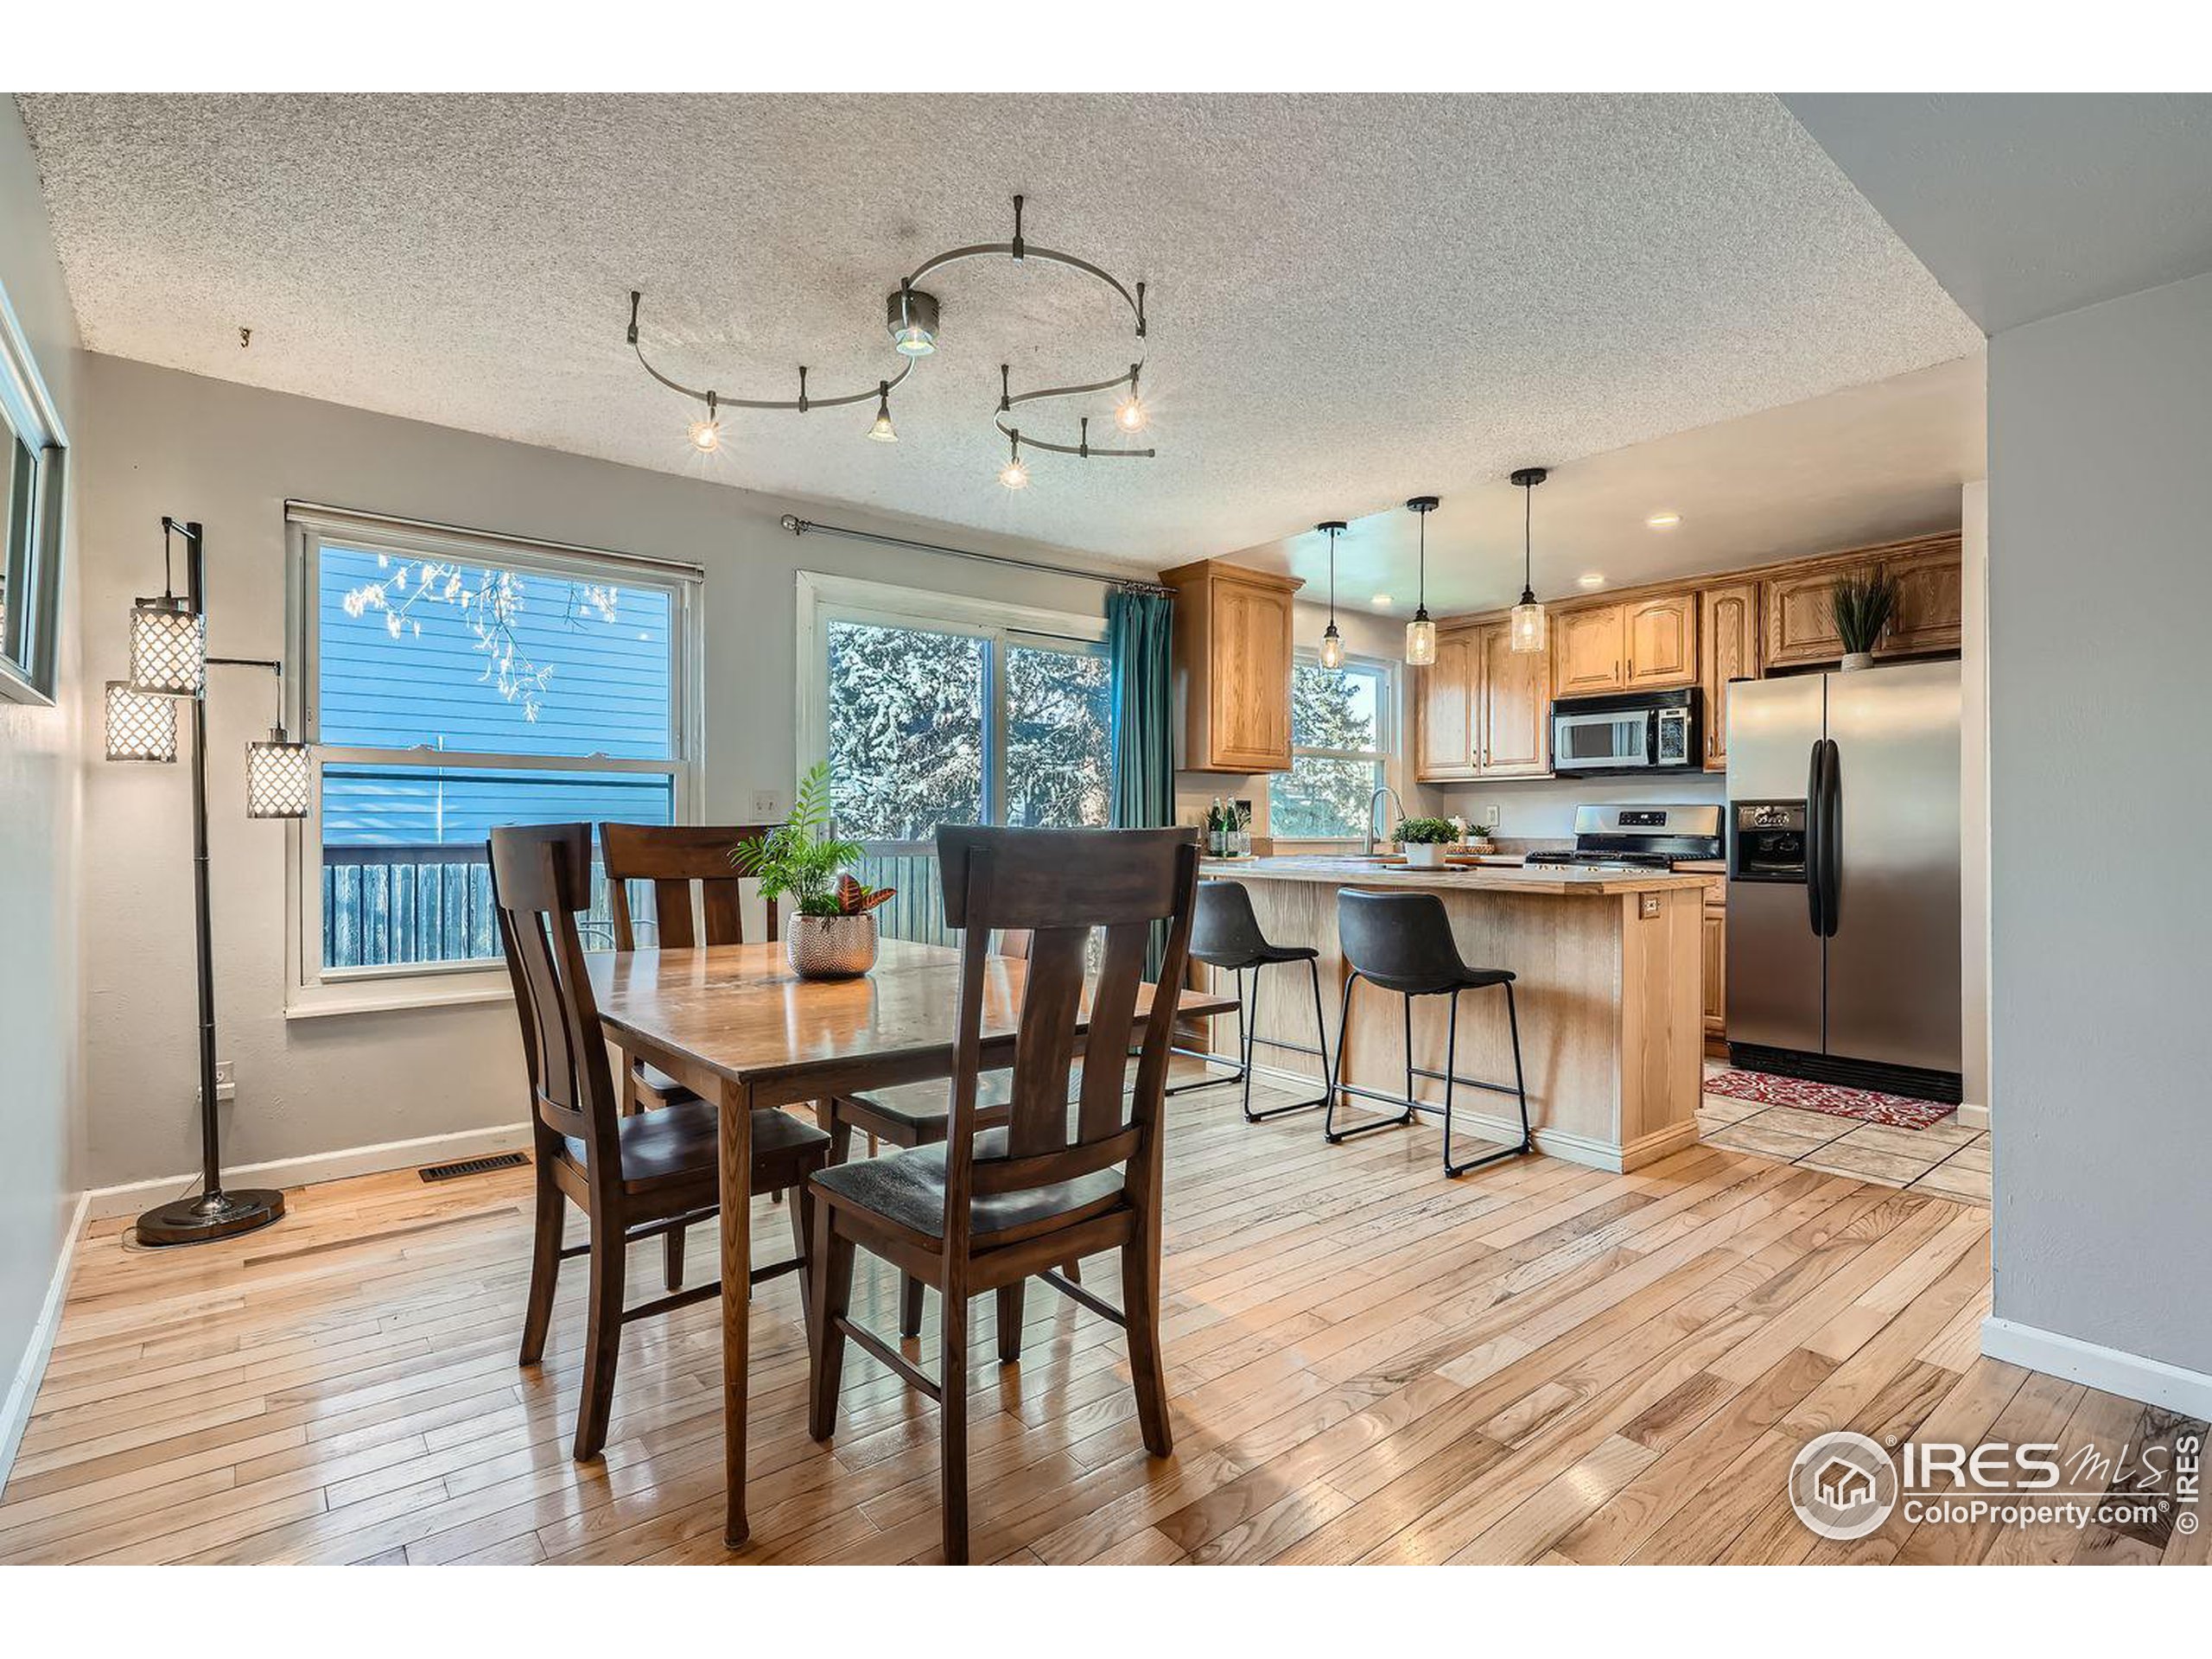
(452, 682)
(1339, 743)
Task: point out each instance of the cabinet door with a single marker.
(1728, 628)
(1588, 651)
(1929, 599)
(1515, 727)
(1716, 939)
(1800, 627)
(1662, 641)
(1448, 689)
(1250, 690)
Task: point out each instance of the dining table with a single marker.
(736, 1026)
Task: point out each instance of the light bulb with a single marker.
(706, 437)
(914, 341)
(883, 431)
(1526, 632)
(1014, 474)
(1333, 647)
(1132, 415)
(1421, 640)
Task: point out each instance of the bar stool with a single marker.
(1225, 935)
(1402, 942)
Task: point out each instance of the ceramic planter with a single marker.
(1855, 660)
(1424, 854)
(830, 947)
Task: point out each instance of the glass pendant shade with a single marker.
(140, 726)
(1421, 640)
(278, 777)
(1526, 633)
(882, 431)
(1333, 647)
(169, 648)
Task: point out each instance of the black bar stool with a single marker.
(1225, 934)
(1402, 942)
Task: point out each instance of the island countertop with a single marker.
(1548, 881)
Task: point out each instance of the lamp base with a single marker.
(204, 1219)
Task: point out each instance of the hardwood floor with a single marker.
(1540, 1363)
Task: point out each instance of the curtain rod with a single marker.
(800, 526)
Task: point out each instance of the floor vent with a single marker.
(473, 1166)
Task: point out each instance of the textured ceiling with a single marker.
(1352, 298)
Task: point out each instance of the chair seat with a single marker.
(908, 1191)
(680, 1143)
(1257, 955)
(1466, 979)
(924, 1110)
(668, 1089)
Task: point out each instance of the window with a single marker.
(1339, 737)
(933, 710)
(453, 682)
(32, 453)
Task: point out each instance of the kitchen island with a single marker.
(1609, 970)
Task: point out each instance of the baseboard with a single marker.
(2132, 1376)
(136, 1196)
(22, 1392)
(1971, 1117)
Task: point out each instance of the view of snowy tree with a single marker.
(1334, 711)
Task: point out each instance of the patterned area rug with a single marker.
(1897, 1111)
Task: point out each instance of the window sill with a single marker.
(396, 994)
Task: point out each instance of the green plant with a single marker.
(1427, 832)
(1862, 605)
(803, 860)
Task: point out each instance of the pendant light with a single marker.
(1332, 643)
(1526, 630)
(1420, 633)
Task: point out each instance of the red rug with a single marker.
(1897, 1111)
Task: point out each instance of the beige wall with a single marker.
(229, 456)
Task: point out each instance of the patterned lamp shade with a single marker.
(169, 648)
(278, 777)
(139, 727)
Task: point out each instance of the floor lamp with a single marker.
(169, 664)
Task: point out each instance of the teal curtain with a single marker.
(1138, 625)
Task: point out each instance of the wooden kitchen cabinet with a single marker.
(1232, 658)
(1661, 633)
(1447, 743)
(1800, 631)
(1930, 600)
(1589, 651)
(1728, 633)
(1514, 725)
(1715, 938)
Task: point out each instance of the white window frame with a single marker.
(29, 411)
(826, 599)
(311, 990)
(1386, 737)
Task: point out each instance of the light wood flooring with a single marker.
(1538, 1363)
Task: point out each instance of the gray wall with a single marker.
(2100, 586)
(229, 456)
(41, 1047)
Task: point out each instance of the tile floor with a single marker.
(1945, 1160)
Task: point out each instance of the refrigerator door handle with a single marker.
(1831, 846)
(1816, 911)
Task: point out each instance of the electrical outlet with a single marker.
(767, 806)
(1491, 815)
(227, 1082)
(1649, 906)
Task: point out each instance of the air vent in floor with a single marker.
(471, 1167)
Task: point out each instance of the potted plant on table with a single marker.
(1423, 840)
(831, 932)
(1861, 603)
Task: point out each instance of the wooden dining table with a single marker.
(735, 1024)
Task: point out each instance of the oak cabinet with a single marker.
(1716, 939)
(1660, 636)
(1448, 744)
(1232, 658)
(1728, 634)
(1801, 630)
(1589, 651)
(1514, 706)
(1799, 627)
(1931, 599)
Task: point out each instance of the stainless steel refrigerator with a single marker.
(1843, 877)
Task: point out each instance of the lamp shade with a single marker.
(1333, 647)
(278, 777)
(1421, 640)
(1527, 632)
(139, 727)
(169, 648)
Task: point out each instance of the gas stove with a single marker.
(1639, 838)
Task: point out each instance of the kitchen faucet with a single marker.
(1373, 801)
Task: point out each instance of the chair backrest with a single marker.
(1059, 885)
(541, 878)
(675, 857)
(1225, 933)
(1396, 937)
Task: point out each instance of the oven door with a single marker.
(1614, 740)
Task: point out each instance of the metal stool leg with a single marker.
(1242, 1073)
(1328, 1131)
(1520, 1088)
(1251, 1043)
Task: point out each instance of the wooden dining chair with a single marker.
(634, 1176)
(987, 1210)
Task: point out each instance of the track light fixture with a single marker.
(1014, 474)
(882, 431)
(1420, 633)
(1332, 643)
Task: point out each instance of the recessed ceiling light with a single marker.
(1380, 600)
(1591, 579)
(1664, 520)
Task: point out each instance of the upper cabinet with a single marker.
(1637, 645)
(1728, 626)
(1483, 708)
(1232, 656)
(1661, 634)
(1589, 651)
(1800, 632)
(1447, 745)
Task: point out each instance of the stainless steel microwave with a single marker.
(1627, 732)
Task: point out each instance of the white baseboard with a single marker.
(2132, 1376)
(134, 1197)
(30, 1370)
(1972, 1116)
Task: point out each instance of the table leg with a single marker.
(737, 1282)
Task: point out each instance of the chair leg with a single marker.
(830, 1265)
(1330, 1132)
(1246, 1018)
(1010, 1300)
(544, 1265)
(802, 1210)
(1520, 1088)
(1520, 1081)
(1451, 1054)
(671, 1245)
(1336, 1078)
(910, 1305)
(1140, 1313)
(952, 1372)
(603, 1337)
(841, 1135)
(1321, 1026)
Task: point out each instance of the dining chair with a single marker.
(988, 1210)
(634, 1176)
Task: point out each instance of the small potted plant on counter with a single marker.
(1423, 840)
(1861, 603)
(831, 932)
